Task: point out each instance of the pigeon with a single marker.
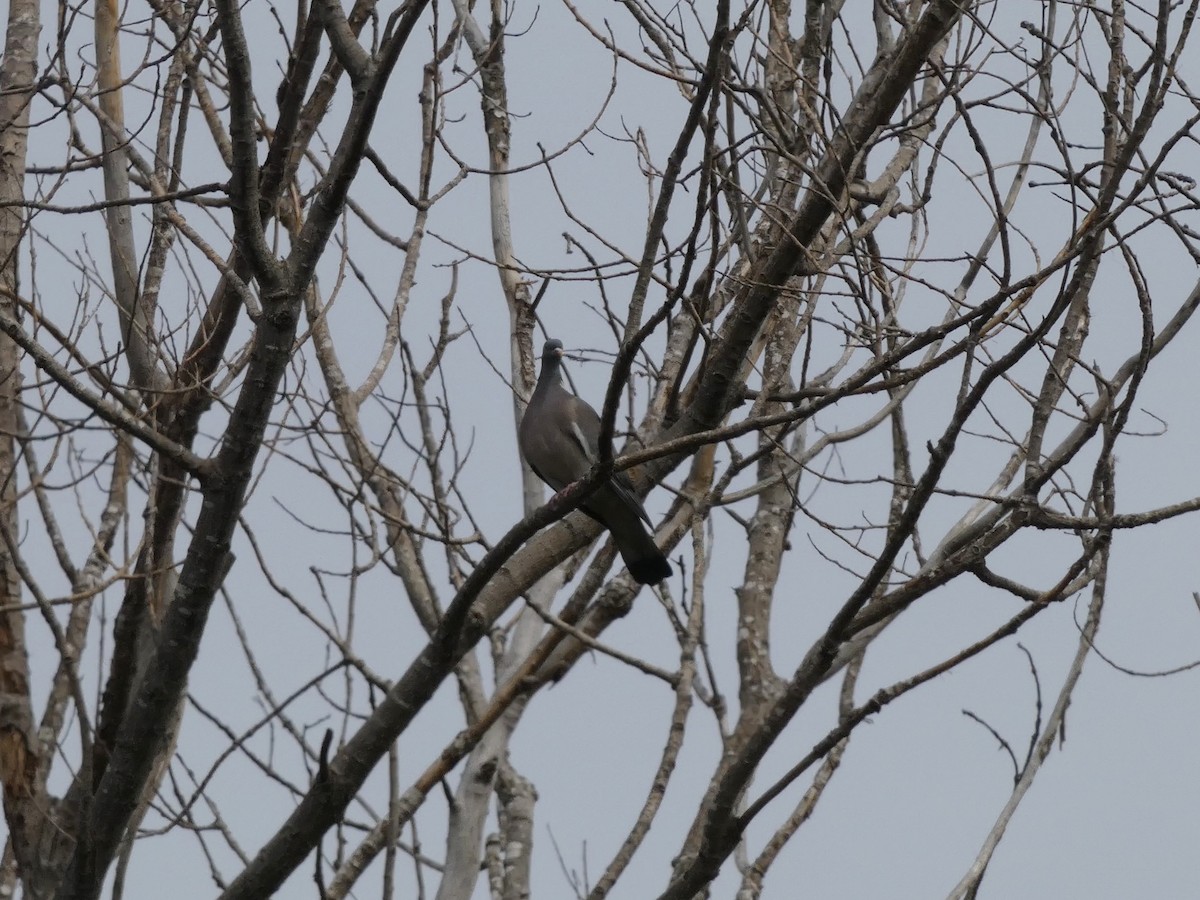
(559, 437)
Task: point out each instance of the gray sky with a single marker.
(1114, 813)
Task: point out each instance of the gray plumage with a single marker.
(560, 439)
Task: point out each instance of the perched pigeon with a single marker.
(560, 439)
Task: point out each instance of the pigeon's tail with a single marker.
(646, 563)
(649, 568)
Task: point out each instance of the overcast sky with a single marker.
(1114, 813)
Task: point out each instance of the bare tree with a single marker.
(887, 323)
